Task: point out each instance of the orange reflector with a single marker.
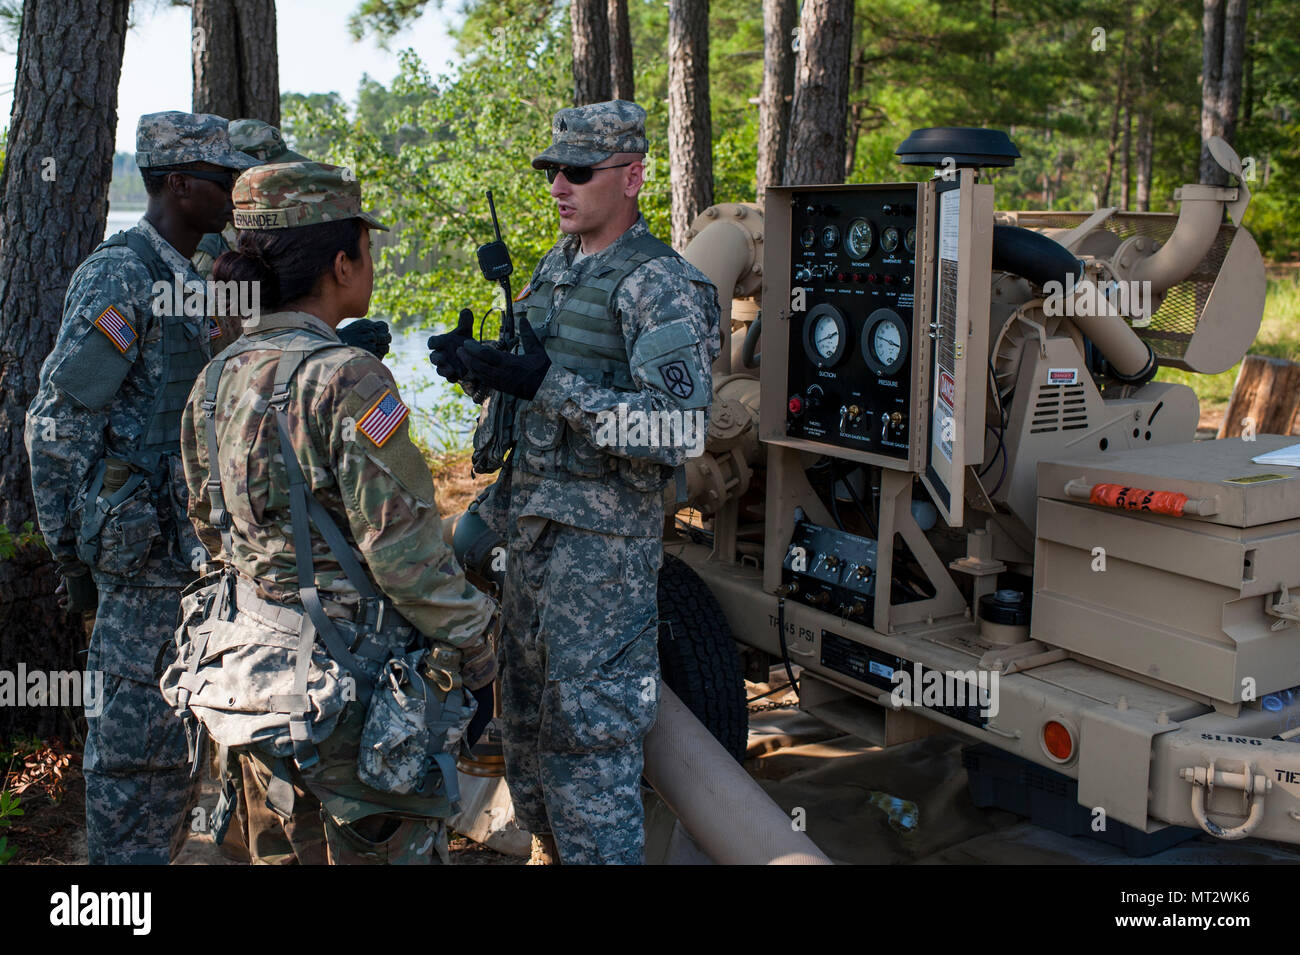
(1057, 740)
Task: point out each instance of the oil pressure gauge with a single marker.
(825, 335)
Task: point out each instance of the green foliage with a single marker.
(9, 809)
(28, 536)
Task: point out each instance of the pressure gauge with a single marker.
(825, 335)
(830, 237)
(909, 239)
(885, 342)
(889, 240)
(808, 237)
(857, 241)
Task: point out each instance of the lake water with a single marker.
(408, 357)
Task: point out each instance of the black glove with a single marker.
(442, 348)
(518, 375)
(483, 715)
(366, 333)
(78, 588)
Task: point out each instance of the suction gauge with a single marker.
(857, 241)
(825, 336)
(885, 342)
(830, 237)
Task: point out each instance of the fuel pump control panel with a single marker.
(853, 281)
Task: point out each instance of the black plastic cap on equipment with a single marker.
(966, 146)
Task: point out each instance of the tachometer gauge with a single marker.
(889, 239)
(857, 241)
(885, 342)
(830, 237)
(909, 239)
(825, 336)
(807, 237)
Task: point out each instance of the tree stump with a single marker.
(1264, 399)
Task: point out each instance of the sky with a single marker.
(317, 55)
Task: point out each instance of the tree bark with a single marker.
(774, 99)
(815, 153)
(690, 139)
(1112, 142)
(1223, 46)
(591, 63)
(55, 189)
(1146, 121)
(1265, 399)
(235, 64)
(1126, 158)
(620, 44)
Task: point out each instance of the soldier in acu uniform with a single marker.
(612, 322)
(336, 536)
(102, 434)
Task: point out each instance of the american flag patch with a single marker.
(214, 329)
(112, 324)
(379, 423)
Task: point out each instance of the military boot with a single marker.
(544, 851)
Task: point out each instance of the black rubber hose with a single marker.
(1033, 256)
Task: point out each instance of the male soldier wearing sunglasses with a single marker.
(612, 322)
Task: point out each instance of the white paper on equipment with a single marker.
(1287, 457)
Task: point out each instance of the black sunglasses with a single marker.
(226, 179)
(577, 175)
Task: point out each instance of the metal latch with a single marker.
(1285, 609)
(1252, 786)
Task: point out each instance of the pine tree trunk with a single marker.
(1112, 142)
(1126, 158)
(55, 189)
(690, 142)
(235, 64)
(815, 153)
(620, 45)
(778, 83)
(591, 63)
(1223, 47)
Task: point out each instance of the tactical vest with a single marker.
(582, 336)
(185, 351)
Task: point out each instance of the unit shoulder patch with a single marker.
(382, 420)
(677, 378)
(117, 328)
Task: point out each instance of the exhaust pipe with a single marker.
(723, 809)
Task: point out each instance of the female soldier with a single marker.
(309, 667)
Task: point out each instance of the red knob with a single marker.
(795, 405)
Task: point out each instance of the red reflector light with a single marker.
(1057, 740)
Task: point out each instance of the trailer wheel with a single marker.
(698, 656)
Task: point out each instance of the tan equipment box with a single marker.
(1191, 589)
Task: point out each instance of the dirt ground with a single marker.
(909, 804)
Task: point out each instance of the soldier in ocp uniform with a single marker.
(613, 321)
(266, 144)
(103, 437)
(334, 540)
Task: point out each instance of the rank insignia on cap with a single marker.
(119, 332)
(383, 418)
(214, 329)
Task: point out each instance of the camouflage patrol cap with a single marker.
(172, 138)
(261, 141)
(585, 135)
(290, 194)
